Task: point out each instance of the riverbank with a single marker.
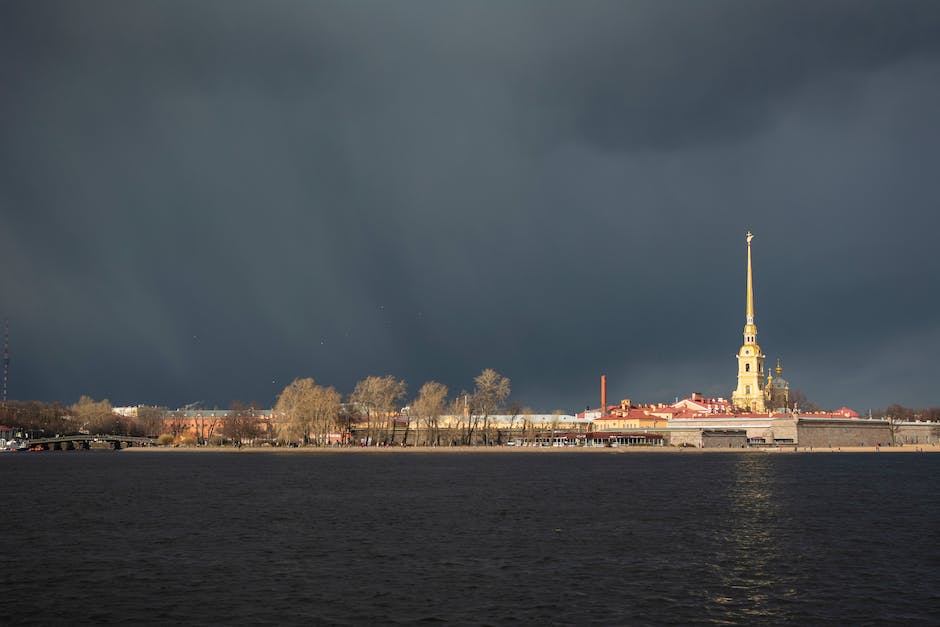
(535, 450)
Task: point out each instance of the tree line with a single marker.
(37, 418)
(310, 414)
(899, 412)
(306, 413)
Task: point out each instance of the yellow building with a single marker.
(749, 394)
(633, 418)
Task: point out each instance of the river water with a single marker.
(475, 538)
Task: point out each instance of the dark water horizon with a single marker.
(486, 538)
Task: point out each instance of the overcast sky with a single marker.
(204, 200)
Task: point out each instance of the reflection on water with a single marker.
(750, 543)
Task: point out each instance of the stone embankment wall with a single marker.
(781, 430)
(825, 433)
(685, 437)
(724, 438)
(918, 433)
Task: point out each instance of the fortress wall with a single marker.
(736, 438)
(685, 437)
(925, 433)
(825, 433)
(780, 429)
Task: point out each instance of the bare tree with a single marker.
(325, 408)
(528, 427)
(377, 398)
(176, 422)
(293, 413)
(462, 426)
(242, 426)
(151, 420)
(427, 410)
(797, 401)
(896, 415)
(514, 409)
(556, 416)
(490, 394)
(94, 416)
(899, 412)
(206, 424)
(347, 417)
(307, 412)
(362, 405)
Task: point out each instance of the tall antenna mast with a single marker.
(6, 360)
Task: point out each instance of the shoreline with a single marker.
(530, 450)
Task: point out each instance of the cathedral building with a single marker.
(749, 394)
(759, 413)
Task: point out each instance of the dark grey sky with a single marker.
(203, 200)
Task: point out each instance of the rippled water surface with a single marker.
(476, 538)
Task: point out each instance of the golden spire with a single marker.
(750, 282)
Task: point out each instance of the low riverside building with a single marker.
(624, 438)
(627, 415)
(595, 439)
(203, 425)
(467, 429)
(626, 424)
(520, 428)
(634, 418)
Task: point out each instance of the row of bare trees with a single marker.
(308, 413)
(901, 413)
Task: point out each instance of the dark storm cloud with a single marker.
(708, 72)
(203, 200)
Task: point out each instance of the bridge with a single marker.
(71, 442)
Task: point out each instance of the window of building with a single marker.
(747, 389)
(747, 367)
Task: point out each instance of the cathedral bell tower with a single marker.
(750, 393)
